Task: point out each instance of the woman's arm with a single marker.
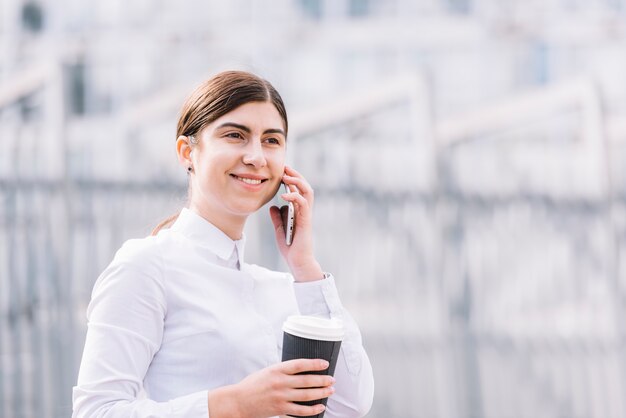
(355, 380)
(125, 327)
(273, 390)
(317, 295)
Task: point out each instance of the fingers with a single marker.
(302, 365)
(294, 178)
(292, 172)
(305, 381)
(305, 411)
(290, 185)
(304, 395)
(300, 194)
(302, 204)
(282, 386)
(300, 184)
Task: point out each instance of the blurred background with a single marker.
(468, 158)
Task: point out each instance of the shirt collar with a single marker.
(207, 235)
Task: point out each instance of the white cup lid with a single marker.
(314, 328)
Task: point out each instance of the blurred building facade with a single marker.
(467, 156)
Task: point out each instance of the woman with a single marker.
(179, 325)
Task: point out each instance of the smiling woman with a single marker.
(180, 325)
(237, 164)
(215, 98)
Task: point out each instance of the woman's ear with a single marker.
(183, 150)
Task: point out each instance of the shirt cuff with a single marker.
(319, 297)
(195, 405)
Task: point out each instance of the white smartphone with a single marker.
(290, 222)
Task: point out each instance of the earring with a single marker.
(189, 169)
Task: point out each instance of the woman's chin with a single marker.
(247, 209)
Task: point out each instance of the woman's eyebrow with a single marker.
(234, 125)
(248, 130)
(275, 131)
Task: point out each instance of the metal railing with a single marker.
(492, 304)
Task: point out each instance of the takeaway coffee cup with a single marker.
(312, 337)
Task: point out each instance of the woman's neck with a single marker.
(231, 225)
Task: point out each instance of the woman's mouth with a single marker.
(249, 180)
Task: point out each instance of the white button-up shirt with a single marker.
(180, 313)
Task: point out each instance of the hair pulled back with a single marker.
(223, 93)
(217, 96)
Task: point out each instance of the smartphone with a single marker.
(290, 223)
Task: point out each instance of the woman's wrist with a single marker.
(307, 272)
(223, 403)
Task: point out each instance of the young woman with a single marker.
(179, 325)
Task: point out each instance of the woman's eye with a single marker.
(273, 141)
(235, 135)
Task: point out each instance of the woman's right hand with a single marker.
(273, 390)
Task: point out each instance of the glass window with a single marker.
(359, 8)
(311, 8)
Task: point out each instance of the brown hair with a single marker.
(217, 96)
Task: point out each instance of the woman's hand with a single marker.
(273, 390)
(299, 255)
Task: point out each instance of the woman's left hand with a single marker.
(299, 255)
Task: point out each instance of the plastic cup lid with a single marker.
(314, 328)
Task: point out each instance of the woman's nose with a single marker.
(254, 154)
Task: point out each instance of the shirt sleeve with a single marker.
(355, 381)
(125, 327)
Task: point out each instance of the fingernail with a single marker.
(332, 389)
(333, 380)
(325, 364)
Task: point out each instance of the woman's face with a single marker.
(239, 161)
